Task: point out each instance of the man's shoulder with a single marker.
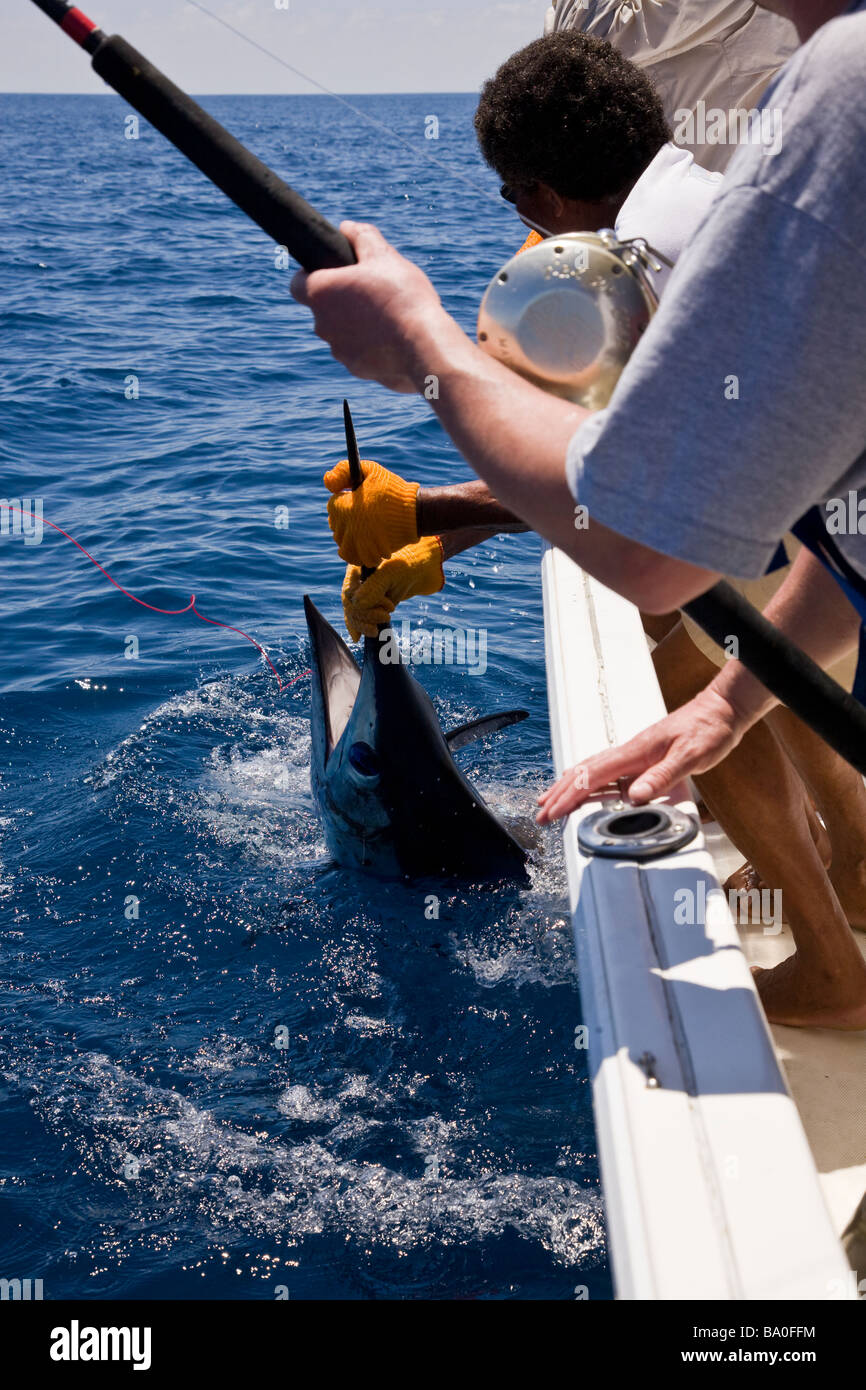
(831, 66)
(813, 129)
(844, 34)
(668, 203)
(677, 182)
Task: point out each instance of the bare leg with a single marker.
(758, 799)
(747, 877)
(657, 627)
(840, 796)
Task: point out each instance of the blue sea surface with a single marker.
(228, 1067)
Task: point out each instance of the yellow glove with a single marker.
(377, 519)
(369, 603)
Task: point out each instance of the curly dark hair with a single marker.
(568, 110)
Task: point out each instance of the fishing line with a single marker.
(168, 612)
(362, 115)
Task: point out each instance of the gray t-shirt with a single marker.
(745, 403)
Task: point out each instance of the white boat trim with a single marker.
(711, 1190)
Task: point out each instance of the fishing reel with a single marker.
(568, 313)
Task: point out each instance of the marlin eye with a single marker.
(364, 759)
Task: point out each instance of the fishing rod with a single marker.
(280, 212)
(786, 671)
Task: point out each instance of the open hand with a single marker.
(691, 740)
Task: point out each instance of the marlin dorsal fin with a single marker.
(480, 728)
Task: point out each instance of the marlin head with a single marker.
(391, 797)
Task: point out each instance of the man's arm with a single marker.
(441, 509)
(810, 608)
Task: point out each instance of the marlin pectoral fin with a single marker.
(480, 728)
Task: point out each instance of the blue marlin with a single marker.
(391, 797)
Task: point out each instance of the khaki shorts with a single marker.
(759, 592)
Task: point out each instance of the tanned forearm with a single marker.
(441, 509)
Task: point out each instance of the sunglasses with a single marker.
(511, 193)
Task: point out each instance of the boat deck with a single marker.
(825, 1070)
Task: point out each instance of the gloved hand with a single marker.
(369, 603)
(376, 520)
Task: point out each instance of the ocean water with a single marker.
(228, 1067)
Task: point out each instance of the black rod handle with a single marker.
(281, 212)
(786, 671)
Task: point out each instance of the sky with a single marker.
(347, 45)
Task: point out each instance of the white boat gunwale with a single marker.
(711, 1190)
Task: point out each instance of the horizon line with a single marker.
(323, 96)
